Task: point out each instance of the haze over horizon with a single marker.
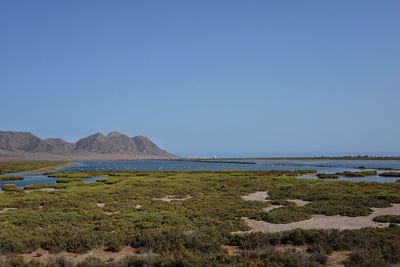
(232, 78)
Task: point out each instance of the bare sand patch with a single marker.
(7, 209)
(172, 198)
(41, 190)
(262, 196)
(337, 258)
(257, 196)
(272, 207)
(326, 222)
(44, 256)
(299, 202)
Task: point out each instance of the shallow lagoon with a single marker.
(321, 166)
(375, 179)
(38, 178)
(218, 165)
(182, 165)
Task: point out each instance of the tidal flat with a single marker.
(124, 220)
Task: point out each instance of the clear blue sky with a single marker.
(230, 78)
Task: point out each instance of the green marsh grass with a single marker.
(191, 232)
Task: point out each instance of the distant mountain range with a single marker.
(25, 145)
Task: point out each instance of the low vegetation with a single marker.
(68, 180)
(69, 175)
(390, 174)
(11, 178)
(192, 232)
(284, 215)
(327, 176)
(9, 187)
(357, 174)
(370, 246)
(43, 186)
(21, 166)
(388, 219)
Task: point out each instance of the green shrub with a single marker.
(9, 187)
(370, 246)
(285, 215)
(91, 262)
(367, 257)
(318, 251)
(17, 261)
(387, 219)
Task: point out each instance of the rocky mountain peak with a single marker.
(114, 134)
(115, 145)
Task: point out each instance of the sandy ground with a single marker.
(172, 198)
(262, 196)
(45, 256)
(7, 209)
(316, 221)
(272, 207)
(299, 202)
(257, 196)
(41, 190)
(326, 222)
(337, 258)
